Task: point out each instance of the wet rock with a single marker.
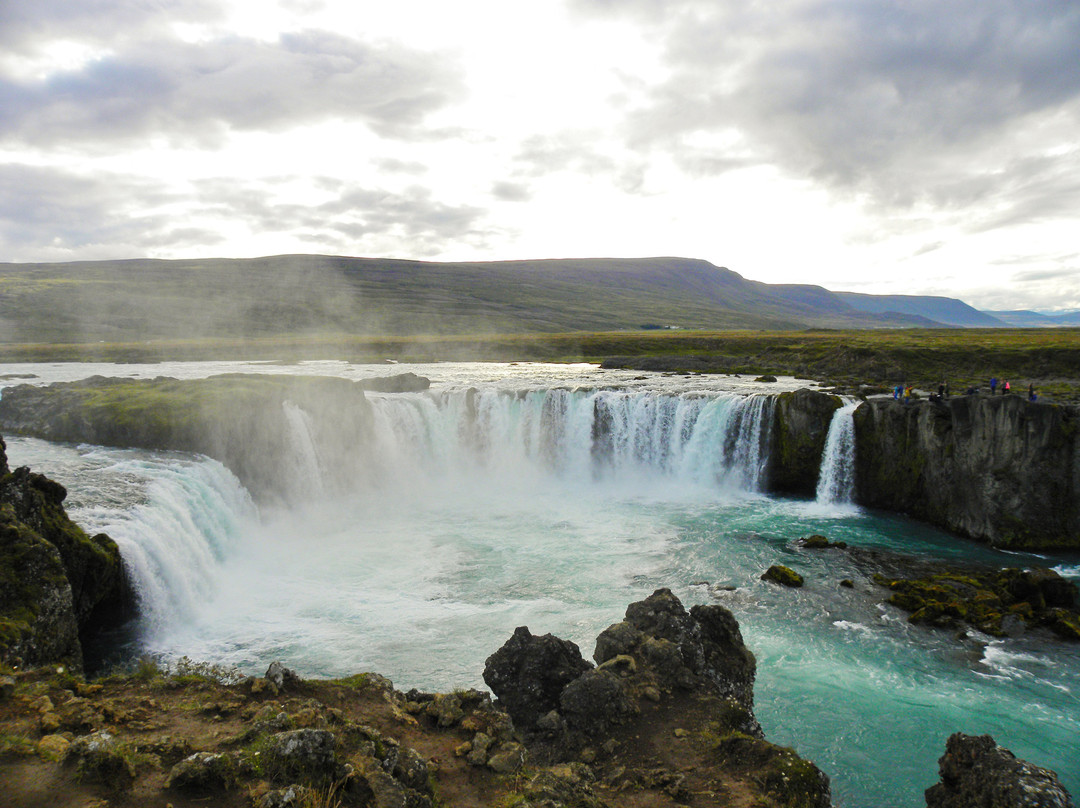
(975, 771)
(785, 576)
(509, 758)
(528, 673)
(800, 428)
(818, 542)
(409, 767)
(562, 786)
(446, 709)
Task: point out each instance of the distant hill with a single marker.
(144, 299)
(1034, 319)
(947, 310)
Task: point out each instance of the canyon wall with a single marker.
(999, 469)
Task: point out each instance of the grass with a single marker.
(1049, 358)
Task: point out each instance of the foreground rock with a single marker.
(975, 771)
(665, 719)
(1000, 469)
(58, 586)
(668, 707)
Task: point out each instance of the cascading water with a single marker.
(715, 440)
(474, 511)
(836, 481)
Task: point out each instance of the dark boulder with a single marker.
(528, 674)
(400, 383)
(595, 703)
(702, 649)
(975, 771)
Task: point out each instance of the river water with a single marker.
(505, 506)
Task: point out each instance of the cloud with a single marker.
(511, 191)
(53, 214)
(49, 214)
(27, 26)
(195, 93)
(901, 102)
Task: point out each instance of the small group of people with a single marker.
(904, 392)
(1006, 388)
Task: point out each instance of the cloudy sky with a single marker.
(910, 146)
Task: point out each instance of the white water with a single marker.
(836, 482)
(554, 507)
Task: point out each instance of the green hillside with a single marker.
(297, 295)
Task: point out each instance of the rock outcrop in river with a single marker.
(801, 422)
(58, 585)
(999, 469)
(263, 427)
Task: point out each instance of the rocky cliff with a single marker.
(998, 469)
(269, 430)
(58, 586)
(801, 422)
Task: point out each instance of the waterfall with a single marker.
(575, 435)
(836, 480)
(190, 519)
(305, 449)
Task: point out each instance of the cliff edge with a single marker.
(58, 586)
(998, 469)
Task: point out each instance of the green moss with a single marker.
(785, 576)
(16, 746)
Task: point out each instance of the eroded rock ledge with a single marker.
(58, 586)
(999, 469)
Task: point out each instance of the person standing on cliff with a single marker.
(1005, 388)
(993, 384)
(1031, 392)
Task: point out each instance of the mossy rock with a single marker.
(783, 775)
(785, 576)
(818, 542)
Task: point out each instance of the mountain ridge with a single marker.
(145, 298)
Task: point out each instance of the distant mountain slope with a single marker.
(1034, 319)
(947, 310)
(314, 294)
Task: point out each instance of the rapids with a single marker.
(552, 496)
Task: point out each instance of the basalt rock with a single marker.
(528, 674)
(400, 383)
(660, 651)
(1002, 602)
(975, 771)
(800, 428)
(999, 469)
(58, 586)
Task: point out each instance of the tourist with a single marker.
(1031, 392)
(993, 384)
(1005, 388)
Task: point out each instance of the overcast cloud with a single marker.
(909, 147)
